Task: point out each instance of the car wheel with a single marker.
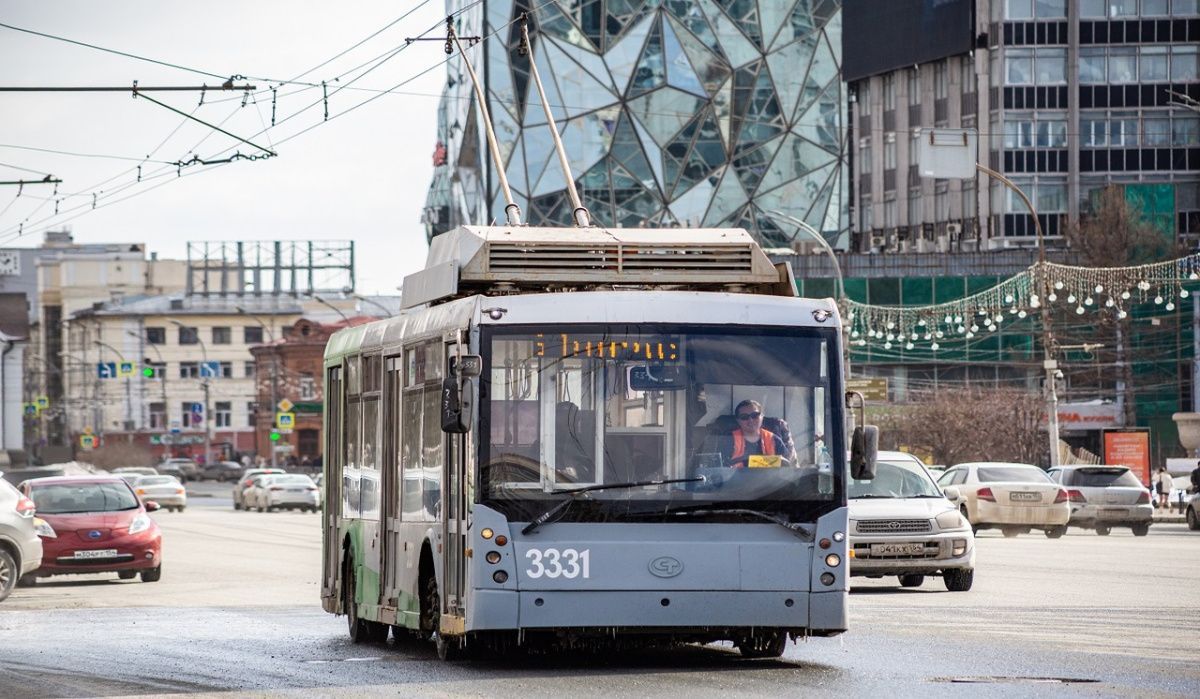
(769, 645)
(911, 580)
(126, 574)
(27, 580)
(1010, 532)
(1192, 520)
(152, 575)
(1056, 532)
(1103, 531)
(1141, 529)
(959, 579)
(8, 573)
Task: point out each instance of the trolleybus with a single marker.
(538, 447)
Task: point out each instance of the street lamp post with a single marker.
(1049, 362)
(162, 380)
(204, 383)
(325, 302)
(274, 374)
(386, 311)
(128, 399)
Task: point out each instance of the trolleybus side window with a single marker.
(369, 473)
(422, 430)
(333, 423)
(351, 441)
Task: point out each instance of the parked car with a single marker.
(95, 524)
(20, 546)
(131, 473)
(167, 491)
(183, 469)
(1103, 497)
(221, 471)
(901, 524)
(245, 481)
(291, 491)
(1193, 512)
(1014, 498)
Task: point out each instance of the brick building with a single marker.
(291, 368)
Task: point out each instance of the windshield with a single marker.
(63, 498)
(1104, 477)
(748, 410)
(1027, 474)
(894, 479)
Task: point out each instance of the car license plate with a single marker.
(295, 490)
(1023, 496)
(97, 553)
(897, 549)
(1114, 512)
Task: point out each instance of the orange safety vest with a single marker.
(739, 443)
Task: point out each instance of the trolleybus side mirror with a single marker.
(864, 446)
(457, 399)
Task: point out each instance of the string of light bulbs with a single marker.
(1081, 289)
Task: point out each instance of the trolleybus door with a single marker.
(331, 507)
(454, 511)
(393, 386)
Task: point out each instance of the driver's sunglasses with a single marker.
(749, 416)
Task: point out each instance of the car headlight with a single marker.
(950, 520)
(43, 528)
(140, 524)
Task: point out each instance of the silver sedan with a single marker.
(1104, 497)
(167, 491)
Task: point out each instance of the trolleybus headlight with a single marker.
(826, 578)
(493, 557)
(833, 560)
(500, 576)
(486, 533)
(501, 540)
(839, 536)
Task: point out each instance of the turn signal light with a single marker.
(493, 557)
(501, 540)
(486, 533)
(986, 494)
(1062, 496)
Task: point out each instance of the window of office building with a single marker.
(156, 336)
(1019, 131)
(1181, 8)
(1051, 66)
(158, 416)
(188, 336)
(251, 414)
(889, 151)
(1123, 129)
(966, 71)
(1156, 130)
(1093, 129)
(1152, 65)
(889, 93)
(189, 370)
(1185, 63)
(227, 370)
(1093, 66)
(864, 156)
(1093, 9)
(1122, 8)
(1156, 8)
(1018, 9)
(222, 336)
(1051, 196)
(1052, 132)
(914, 87)
(250, 369)
(865, 216)
(1018, 66)
(914, 207)
(890, 211)
(308, 387)
(252, 334)
(1185, 130)
(863, 97)
(1122, 64)
(223, 413)
(941, 87)
(941, 203)
(969, 206)
(1050, 9)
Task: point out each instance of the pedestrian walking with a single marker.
(1196, 478)
(1162, 487)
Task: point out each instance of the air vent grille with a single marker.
(631, 259)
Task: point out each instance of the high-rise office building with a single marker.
(680, 112)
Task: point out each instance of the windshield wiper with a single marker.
(798, 529)
(573, 492)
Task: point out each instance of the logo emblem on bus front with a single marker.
(666, 567)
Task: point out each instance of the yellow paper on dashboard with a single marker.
(762, 461)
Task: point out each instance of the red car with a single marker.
(95, 524)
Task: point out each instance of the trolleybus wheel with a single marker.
(448, 649)
(360, 630)
(770, 645)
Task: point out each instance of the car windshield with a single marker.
(1104, 477)
(156, 480)
(894, 479)
(1017, 473)
(71, 498)
(749, 412)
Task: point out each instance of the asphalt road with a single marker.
(237, 610)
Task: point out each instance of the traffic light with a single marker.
(148, 372)
(274, 436)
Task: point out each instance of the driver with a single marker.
(750, 439)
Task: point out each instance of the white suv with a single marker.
(901, 524)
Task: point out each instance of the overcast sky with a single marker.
(361, 176)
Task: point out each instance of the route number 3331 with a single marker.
(556, 563)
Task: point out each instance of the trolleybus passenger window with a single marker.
(350, 469)
(421, 453)
(369, 479)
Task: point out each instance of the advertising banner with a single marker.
(1129, 447)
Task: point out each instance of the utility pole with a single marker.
(274, 376)
(204, 383)
(162, 378)
(128, 398)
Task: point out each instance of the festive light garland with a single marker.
(1081, 289)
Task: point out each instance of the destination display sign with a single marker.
(616, 347)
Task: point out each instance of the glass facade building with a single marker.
(672, 112)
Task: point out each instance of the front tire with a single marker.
(126, 574)
(152, 575)
(911, 580)
(1103, 531)
(959, 579)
